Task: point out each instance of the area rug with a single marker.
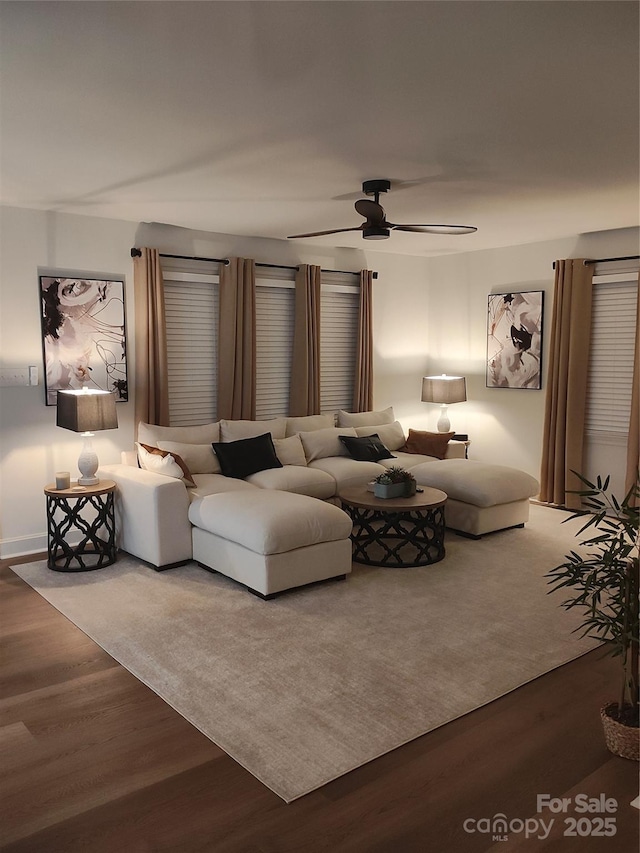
(304, 688)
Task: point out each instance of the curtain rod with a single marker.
(136, 253)
(607, 260)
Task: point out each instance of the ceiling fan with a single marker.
(376, 226)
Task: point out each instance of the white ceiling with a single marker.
(264, 118)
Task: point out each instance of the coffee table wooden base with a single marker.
(399, 533)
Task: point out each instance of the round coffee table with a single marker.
(396, 532)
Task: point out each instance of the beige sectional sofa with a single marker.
(161, 517)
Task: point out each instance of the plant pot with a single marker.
(620, 739)
(395, 490)
(390, 490)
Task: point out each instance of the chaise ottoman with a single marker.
(482, 497)
(271, 541)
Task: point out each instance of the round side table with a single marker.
(89, 512)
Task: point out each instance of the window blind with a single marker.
(192, 321)
(339, 307)
(611, 360)
(275, 306)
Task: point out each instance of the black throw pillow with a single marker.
(368, 448)
(246, 456)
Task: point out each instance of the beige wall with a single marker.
(429, 316)
(32, 448)
(505, 425)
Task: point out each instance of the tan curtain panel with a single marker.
(563, 436)
(633, 444)
(304, 396)
(151, 374)
(237, 340)
(363, 383)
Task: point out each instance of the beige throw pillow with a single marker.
(321, 443)
(309, 422)
(358, 419)
(290, 450)
(391, 435)
(200, 458)
(236, 430)
(202, 434)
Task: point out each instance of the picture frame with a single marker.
(83, 335)
(514, 339)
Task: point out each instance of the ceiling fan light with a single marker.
(375, 232)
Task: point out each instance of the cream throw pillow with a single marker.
(162, 462)
(358, 419)
(307, 423)
(321, 443)
(235, 430)
(199, 458)
(391, 435)
(201, 434)
(290, 450)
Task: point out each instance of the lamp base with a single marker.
(88, 481)
(88, 463)
(443, 424)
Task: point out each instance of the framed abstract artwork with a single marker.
(514, 340)
(83, 335)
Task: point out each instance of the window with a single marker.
(192, 292)
(275, 306)
(610, 378)
(613, 328)
(275, 316)
(191, 306)
(339, 309)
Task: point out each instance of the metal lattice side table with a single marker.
(87, 511)
(396, 533)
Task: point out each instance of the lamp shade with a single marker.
(86, 411)
(444, 389)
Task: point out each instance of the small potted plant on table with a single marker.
(605, 581)
(394, 483)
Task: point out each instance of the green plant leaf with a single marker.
(602, 574)
(583, 479)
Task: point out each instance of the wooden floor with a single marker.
(93, 761)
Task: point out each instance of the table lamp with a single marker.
(444, 390)
(87, 412)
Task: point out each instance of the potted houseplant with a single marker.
(394, 483)
(603, 577)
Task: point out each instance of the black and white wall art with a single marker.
(83, 335)
(514, 340)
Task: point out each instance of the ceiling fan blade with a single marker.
(371, 210)
(322, 233)
(434, 229)
(376, 226)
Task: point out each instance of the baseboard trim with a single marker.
(21, 546)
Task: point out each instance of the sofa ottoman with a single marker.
(271, 541)
(482, 497)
